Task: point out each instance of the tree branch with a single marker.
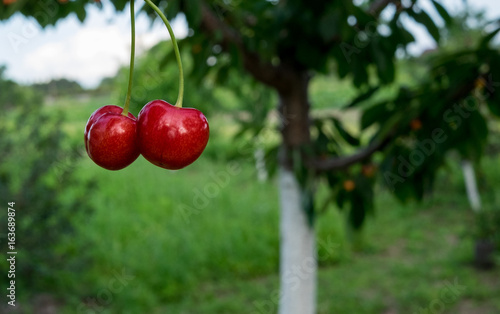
(274, 76)
(346, 161)
(378, 6)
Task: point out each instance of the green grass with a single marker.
(224, 258)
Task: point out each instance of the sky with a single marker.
(87, 52)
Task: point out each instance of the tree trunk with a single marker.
(298, 263)
(471, 185)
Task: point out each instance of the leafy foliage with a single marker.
(314, 35)
(49, 12)
(59, 87)
(488, 225)
(13, 94)
(446, 113)
(36, 172)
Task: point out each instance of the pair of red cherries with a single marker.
(168, 136)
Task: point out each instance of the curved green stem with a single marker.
(132, 58)
(176, 50)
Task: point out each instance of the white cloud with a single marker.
(92, 52)
(82, 52)
(89, 55)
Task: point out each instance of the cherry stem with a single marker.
(176, 50)
(132, 58)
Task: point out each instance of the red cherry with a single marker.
(171, 137)
(97, 114)
(112, 140)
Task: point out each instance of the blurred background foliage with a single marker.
(189, 249)
(37, 167)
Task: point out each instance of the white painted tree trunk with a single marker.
(260, 164)
(471, 185)
(298, 262)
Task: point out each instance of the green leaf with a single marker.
(478, 126)
(374, 114)
(311, 56)
(328, 25)
(486, 39)
(332, 179)
(357, 213)
(359, 71)
(362, 97)
(423, 18)
(192, 12)
(384, 63)
(235, 55)
(120, 4)
(407, 37)
(172, 9)
(341, 61)
(222, 75)
(405, 191)
(494, 107)
(299, 169)
(308, 205)
(341, 198)
(344, 134)
(442, 12)
(389, 125)
(321, 143)
(474, 142)
(81, 14)
(364, 188)
(167, 58)
(272, 160)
